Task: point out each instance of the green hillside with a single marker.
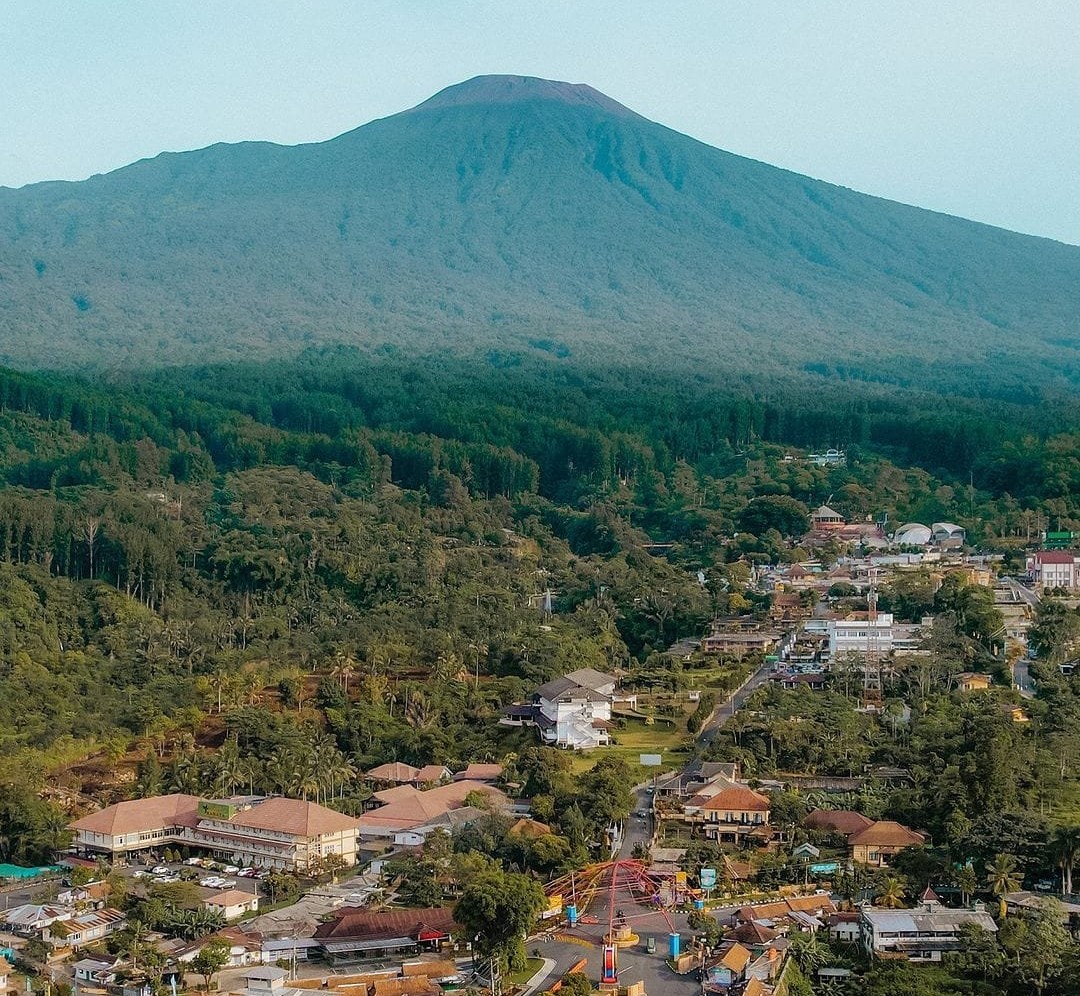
(525, 216)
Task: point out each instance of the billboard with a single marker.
(651, 760)
(554, 907)
(707, 878)
(825, 868)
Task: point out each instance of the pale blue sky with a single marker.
(965, 106)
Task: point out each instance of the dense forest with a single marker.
(361, 546)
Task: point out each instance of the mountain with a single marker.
(513, 215)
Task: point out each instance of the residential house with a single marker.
(407, 810)
(30, 919)
(489, 773)
(924, 934)
(972, 681)
(844, 926)
(95, 972)
(1051, 569)
(733, 813)
(727, 968)
(232, 903)
(880, 841)
(247, 830)
(84, 928)
(573, 711)
(738, 643)
(841, 821)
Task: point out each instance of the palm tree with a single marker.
(890, 892)
(1001, 875)
(1065, 845)
(967, 883)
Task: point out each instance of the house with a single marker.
(85, 928)
(232, 903)
(245, 947)
(393, 773)
(806, 912)
(408, 809)
(30, 919)
(265, 979)
(880, 841)
(575, 711)
(246, 830)
(825, 519)
(841, 821)
(738, 643)
(489, 773)
(95, 971)
(727, 967)
(729, 813)
(355, 934)
(1051, 569)
(844, 926)
(92, 894)
(972, 681)
(923, 934)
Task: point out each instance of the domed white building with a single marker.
(913, 534)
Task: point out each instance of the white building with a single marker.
(860, 635)
(575, 711)
(232, 903)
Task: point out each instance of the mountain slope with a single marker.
(507, 211)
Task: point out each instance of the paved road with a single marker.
(726, 710)
(638, 829)
(1022, 591)
(1022, 678)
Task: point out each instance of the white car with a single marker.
(211, 882)
(231, 869)
(159, 870)
(138, 873)
(166, 879)
(247, 873)
(193, 861)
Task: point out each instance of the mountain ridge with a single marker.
(507, 210)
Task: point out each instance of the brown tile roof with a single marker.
(529, 828)
(480, 773)
(230, 897)
(410, 807)
(358, 924)
(431, 773)
(753, 933)
(889, 834)
(737, 798)
(295, 817)
(395, 771)
(845, 821)
(736, 957)
(154, 813)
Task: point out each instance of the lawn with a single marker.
(532, 966)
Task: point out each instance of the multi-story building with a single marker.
(1055, 569)
(924, 934)
(859, 634)
(250, 830)
(729, 813)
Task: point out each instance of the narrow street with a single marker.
(723, 712)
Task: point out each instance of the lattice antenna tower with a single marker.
(872, 695)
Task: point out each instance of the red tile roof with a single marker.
(887, 833)
(737, 798)
(154, 813)
(845, 821)
(295, 817)
(1055, 556)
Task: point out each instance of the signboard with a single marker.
(707, 877)
(680, 880)
(216, 810)
(554, 908)
(826, 868)
(651, 760)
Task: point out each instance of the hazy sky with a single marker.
(965, 106)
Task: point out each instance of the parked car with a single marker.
(231, 869)
(248, 872)
(193, 861)
(159, 870)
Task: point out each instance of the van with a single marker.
(650, 945)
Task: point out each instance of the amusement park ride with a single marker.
(619, 895)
